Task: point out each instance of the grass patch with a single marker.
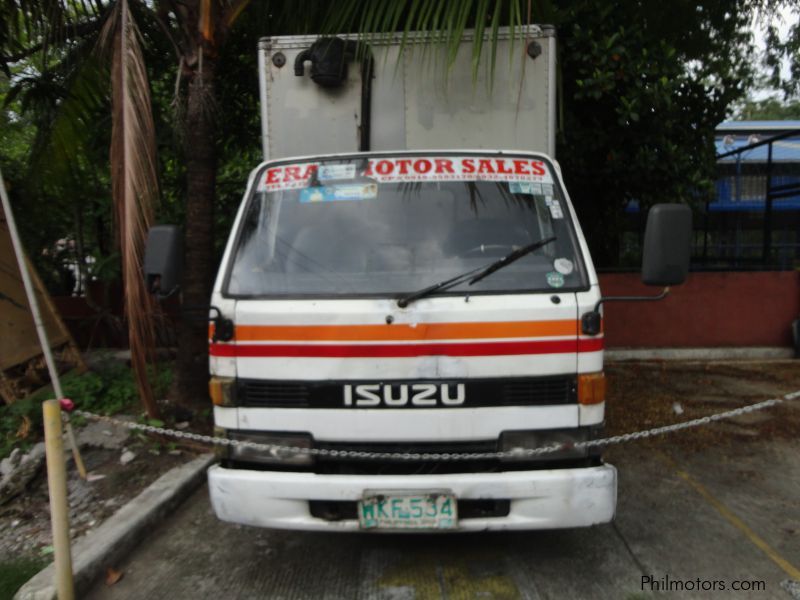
(16, 572)
(108, 389)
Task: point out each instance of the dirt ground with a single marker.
(25, 520)
(649, 394)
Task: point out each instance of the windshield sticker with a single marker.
(333, 193)
(555, 279)
(563, 266)
(333, 172)
(526, 187)
(555, 209)
(457, 168)
(287, 177)
(411, 169)
(521, 187)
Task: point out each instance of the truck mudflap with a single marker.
(542, 499)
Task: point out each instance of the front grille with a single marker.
(528, 391)
(272, 394)
(346, 510)
(540, 390)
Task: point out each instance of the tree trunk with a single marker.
(201, 169)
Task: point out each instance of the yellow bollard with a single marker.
(59, 510)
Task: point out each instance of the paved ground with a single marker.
(721, 508)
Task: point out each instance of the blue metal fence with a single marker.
(758, 186)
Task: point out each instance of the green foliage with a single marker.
(55, 162)
(783, 51)
(16, 572)
(643, 86)
(14, 419)
(107, 390)
(17, 131)
(769, 109)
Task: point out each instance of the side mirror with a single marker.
(667, 245)
(665, 258)
(163, 259)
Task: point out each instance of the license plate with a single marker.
(404, 510)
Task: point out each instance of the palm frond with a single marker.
(37, 28)
(233, 11)
(134, 182)
(64, 103)
(444, 21)
(206, 24)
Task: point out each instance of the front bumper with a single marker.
(546, 499)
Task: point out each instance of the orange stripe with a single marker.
(403, 332)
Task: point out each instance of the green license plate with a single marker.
(404, 510)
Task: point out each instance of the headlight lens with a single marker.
(271, 456)
(519, 441)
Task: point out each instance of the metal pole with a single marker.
(37, 318)
(705, 236)
(59, 510)
(766, 250)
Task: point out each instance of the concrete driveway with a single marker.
(695, 513)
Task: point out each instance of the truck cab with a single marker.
(373, 312)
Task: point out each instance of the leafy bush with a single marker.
(108, 389)
(16, 421)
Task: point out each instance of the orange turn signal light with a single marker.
(221, 390)
(592, 388)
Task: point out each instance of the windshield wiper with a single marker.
(475, 275)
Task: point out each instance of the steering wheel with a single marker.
(482, 249)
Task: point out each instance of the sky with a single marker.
(783, 20)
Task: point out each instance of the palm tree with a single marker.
(51, 30)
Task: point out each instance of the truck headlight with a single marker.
(271, 456)
(517, 442)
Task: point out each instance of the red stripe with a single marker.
(406, 350)
(591, 345)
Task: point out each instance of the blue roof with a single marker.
(731, 135)
(770, 126)
(786, 150)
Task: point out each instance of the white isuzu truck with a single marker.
(407, 297)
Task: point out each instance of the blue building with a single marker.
(754, 222)
(747, 159)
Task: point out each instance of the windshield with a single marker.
(375, 225)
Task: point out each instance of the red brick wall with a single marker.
(710, 309)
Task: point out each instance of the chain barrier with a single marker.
(279, 451)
